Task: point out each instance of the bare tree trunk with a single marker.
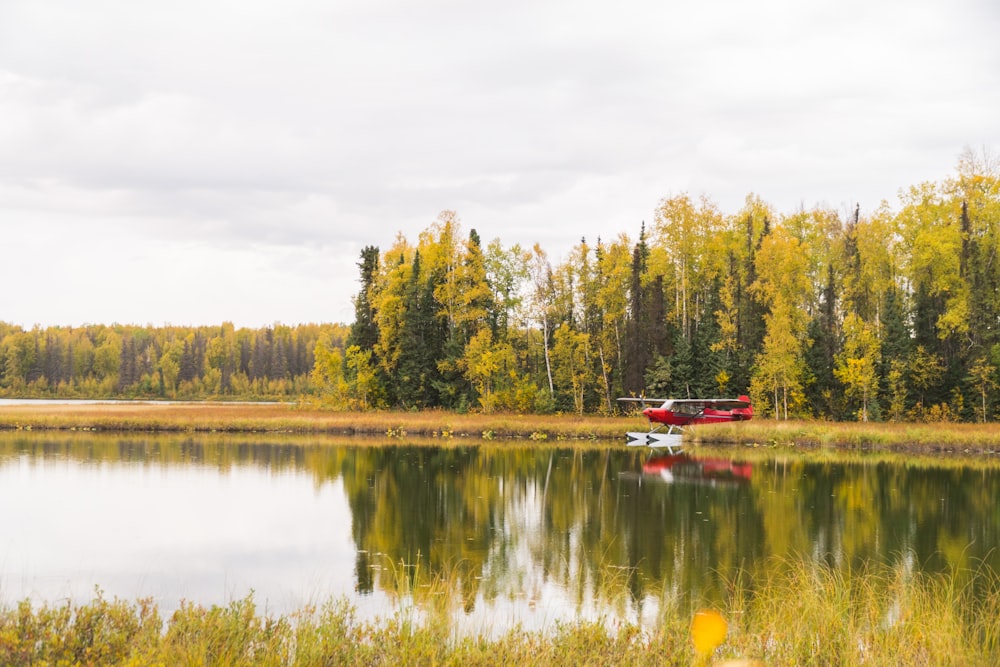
(607, 384)
(618, 345)
(545, 346)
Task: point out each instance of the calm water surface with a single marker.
(516, 534)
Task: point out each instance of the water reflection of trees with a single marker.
(520, 519)
(493, 522)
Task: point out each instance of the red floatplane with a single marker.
(676, 413)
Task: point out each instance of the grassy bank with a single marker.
(288, 418)
(936, 437)
(798, 613)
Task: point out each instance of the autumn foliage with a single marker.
(888, 314)
(883, 314)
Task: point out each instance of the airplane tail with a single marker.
(747, 412)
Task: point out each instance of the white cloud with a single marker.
(271, 135)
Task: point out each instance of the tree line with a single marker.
(117, 361)
(889, 314)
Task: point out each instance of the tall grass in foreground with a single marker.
(804, 613)
(791, 613)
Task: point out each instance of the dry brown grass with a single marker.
(243, 417)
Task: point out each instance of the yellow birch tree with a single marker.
(857, 364)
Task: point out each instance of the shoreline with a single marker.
(305, 419)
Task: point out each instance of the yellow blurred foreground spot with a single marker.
(708, 630)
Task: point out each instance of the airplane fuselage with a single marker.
(686, 413)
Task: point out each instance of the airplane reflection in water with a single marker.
(684, 469)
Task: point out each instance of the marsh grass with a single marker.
(787, 612)
(797, 613)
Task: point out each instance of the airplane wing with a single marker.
(643, 401)
(713, 403)
(691, 408)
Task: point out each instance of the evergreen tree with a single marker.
(683, 368)
(896, 339)
(709, 363)
(637, 350)
(246, 354)
(751, 310)
(55, 362)
(417, 370)
(186, 371)
(823, 391)
(278, 364)
(364, 329)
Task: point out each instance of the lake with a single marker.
(512, 533)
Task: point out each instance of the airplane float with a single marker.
(677, 413)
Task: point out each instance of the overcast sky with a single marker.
(196, 162)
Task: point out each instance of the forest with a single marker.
(891, 314)
(134, 362)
